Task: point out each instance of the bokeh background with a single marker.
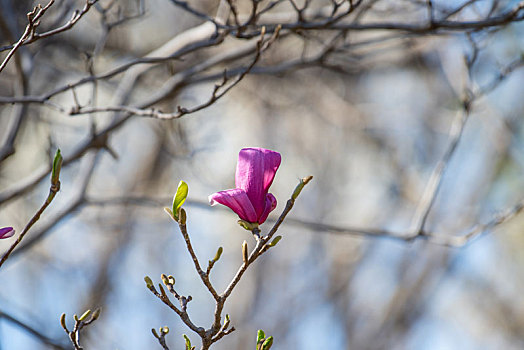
(370, 123)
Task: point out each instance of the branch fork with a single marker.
(218, 329)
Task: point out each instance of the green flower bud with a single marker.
(179, 198)
(267, 343)
(260, 336)
(218, 254)
(84, 315)
(149, 282)
(245, 255)
(275, 241)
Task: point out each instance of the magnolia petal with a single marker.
(6, 232)
(271, 204)
(256, 169)
(238, 201)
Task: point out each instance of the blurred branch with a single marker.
(439, 238)
(460, 8)
(74, 204)
(30, 35)
(435, 180)
(461, 240)
(34, 332)
(514, 15)
(12, 128)
(109, 25)
(20, 85)
(185, 6)
(44, 99)
(97, 140)
(272, 24)
(218, 92)
(406, 302)
(501, 76)
(330, 18)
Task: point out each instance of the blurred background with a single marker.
(369, 104)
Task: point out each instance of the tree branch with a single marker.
(53, 190)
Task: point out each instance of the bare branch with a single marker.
(184, 316)
(203, 276)
(439, 238)
(113, 72)
(30, 35)
(184, 5)
(33, 18)
(53, 190)
(218, 92)
(77, 15)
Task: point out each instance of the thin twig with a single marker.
(203, 275)
(326, 21)
(33, 36)
(161, 337)
(184, 316)
(33, 18)
(53, 190)
(289, 205)
(97, 141)
(435, 180)
(476, 231)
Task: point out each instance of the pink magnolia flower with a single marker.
(256, 169)
(6, 232)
